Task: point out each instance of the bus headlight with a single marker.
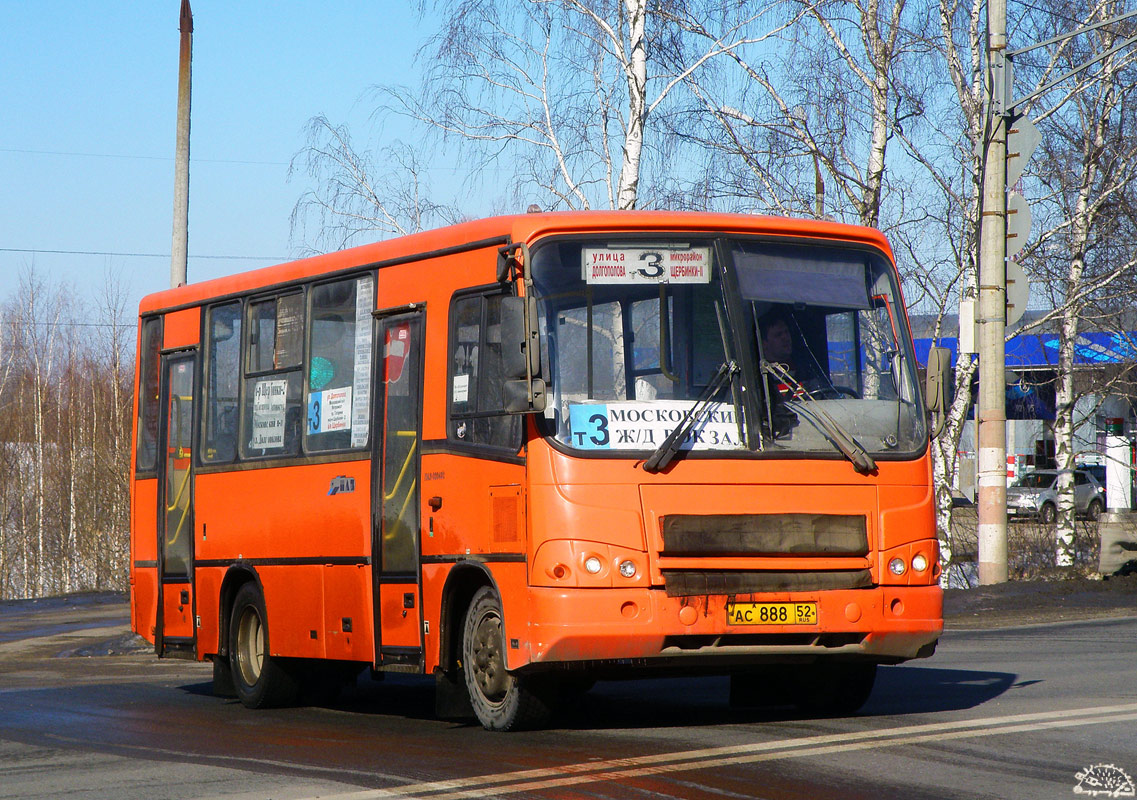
(919, 563)
(628, 568)
(592, 565)
(896, 566)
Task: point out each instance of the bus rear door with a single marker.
(175, 629)
(396, 545)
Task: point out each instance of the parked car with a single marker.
(1097, 472)
(1035, 494)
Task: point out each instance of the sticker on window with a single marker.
(329, 410)
(644, 426)
(618, 265)
(269, 403)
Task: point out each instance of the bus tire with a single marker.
(501, 701)
(259, 679)
(835, 688)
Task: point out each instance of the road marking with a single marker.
(822, 744)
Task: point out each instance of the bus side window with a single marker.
(338, 378)
(222, 381)
(476, 405)
(150, 347)
(271, 406)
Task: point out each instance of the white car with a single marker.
(1035, 494)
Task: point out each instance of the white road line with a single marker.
(612, 769)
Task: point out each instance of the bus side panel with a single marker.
(269, 516)
(144, 600)
(513, 586)
(144, 540)
(295, 608)
(177, 611)
(288, 512)
(347, 631)
(182, 328)
(433, 582)
(476, 515)
(207, 594)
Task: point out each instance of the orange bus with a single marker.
(527, 452)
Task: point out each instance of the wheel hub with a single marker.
(489, 662)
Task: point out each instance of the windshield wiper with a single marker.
(665, 453)
(841, 438)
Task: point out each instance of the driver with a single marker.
(778, 347)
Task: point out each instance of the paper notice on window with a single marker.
(610, 265)
(270, 400)
(461, 388)
(360, 399)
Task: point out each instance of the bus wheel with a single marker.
(259, 679)
(501, 701)
(835, 689)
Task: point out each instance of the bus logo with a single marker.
(341, 484)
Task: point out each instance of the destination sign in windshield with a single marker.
(622, 265)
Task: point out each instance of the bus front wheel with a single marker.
(501, 701)
(260, 680)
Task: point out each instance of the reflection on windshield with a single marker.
(632, 338)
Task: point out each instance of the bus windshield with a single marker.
(811, 336)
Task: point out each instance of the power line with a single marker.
(25, 151)
(134, 255)
(62, 324)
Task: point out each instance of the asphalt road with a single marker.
(1011, 712)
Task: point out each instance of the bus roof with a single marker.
(514, 228)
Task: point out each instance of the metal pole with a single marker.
(992, 315)
(179, 252)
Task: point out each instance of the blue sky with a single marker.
(88, 93)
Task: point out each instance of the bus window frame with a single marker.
(736, 318)
(272, 294)
(453, 443)
(306, 366)
(204, 392)
(152, 470)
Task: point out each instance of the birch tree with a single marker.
(563, 94)
(1087, 165)
(819, 107)
(360, 192)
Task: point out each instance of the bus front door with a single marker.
(396, 545)
(174, 632)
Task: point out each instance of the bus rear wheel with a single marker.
(260, 680)
(501, 701)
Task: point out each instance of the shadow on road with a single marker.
(924, 690)
(681, 702)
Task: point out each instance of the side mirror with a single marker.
(520, 339)
(935, 387)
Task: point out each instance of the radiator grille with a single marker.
(765, 534)
(687, 583)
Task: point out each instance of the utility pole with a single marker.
(1005, 225)
(992, 414)
(179, 252)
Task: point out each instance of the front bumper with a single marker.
(887, 624)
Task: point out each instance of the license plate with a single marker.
(771, 613)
